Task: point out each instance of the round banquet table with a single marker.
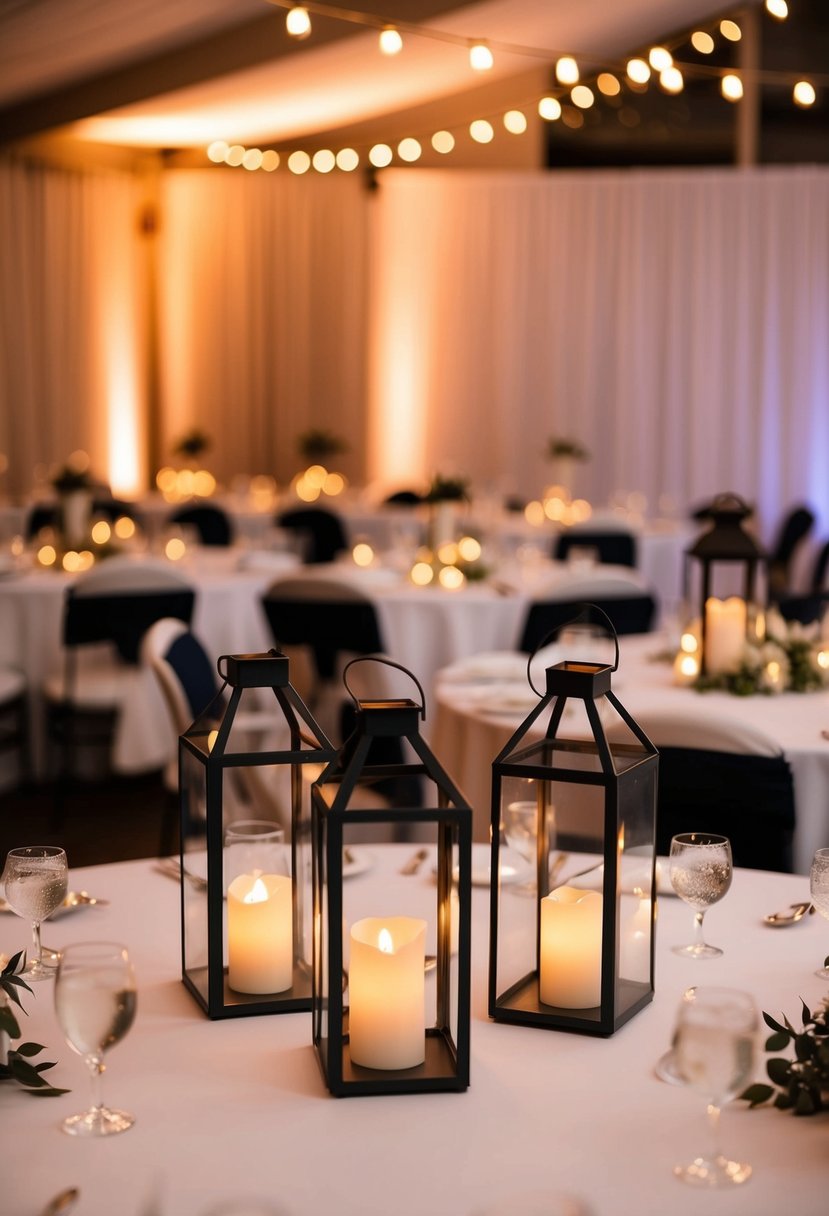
(227, 616)
(476, 714)
(237, 1108)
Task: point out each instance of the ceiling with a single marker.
(156, 74)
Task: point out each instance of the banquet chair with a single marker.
(721, 776)
(106, 613)
(211, 523)
(335, 623)
(404, 498)
(13, 715)
(616, 547)
(629, 613)
(321, 532)
(187, 678)
(793, 530)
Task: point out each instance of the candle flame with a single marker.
(257, 894)
(688, 643)
(384, 942)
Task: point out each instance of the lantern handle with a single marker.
(381, 658)
(581, 615)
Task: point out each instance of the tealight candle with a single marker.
(260, 933)
(686, 668)
(386, 1021)
(570, 970)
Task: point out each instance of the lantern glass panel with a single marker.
(194, 894)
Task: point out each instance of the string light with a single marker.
(659, 59)
(480, 57)
(731, 87)
(390, 41)
(298, 21)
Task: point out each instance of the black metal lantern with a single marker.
(384, 1020)
(729, 558)
(572, 948)
(246, 926)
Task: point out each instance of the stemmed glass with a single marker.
(715, 1044)
(700, 868)
(34, 879)
(95, 1005)
(520, 827)
(819, 888)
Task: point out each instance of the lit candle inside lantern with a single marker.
(386, 1022)
(570, 972)
(725, 633)
(260, 933)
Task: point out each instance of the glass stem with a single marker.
(699, 936)
(714, 1129)
(36, 941)
(96, 1066)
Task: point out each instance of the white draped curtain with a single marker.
(72, 335)
(675, 322)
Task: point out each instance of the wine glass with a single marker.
(95, 1005)
(520, 825)
(700, 868)
(715, 1044)
(819, 888)
(35, 879)
(666, 1066)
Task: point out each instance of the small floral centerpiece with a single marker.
(192, 445)
(69, 479)
(447, 489)
(790, 658)
(15, 1062)
(801, 1084)
(569, 449)
(317, 445)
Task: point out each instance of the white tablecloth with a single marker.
(228, 617)
(237, 1108)
(468, 733)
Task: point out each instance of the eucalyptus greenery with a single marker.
(17, 1067)
(799, 1084)
(69, 478)
(192, 444)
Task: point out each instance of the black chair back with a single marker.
(211, 522)
(820, 568)
(615, 548)
(322, 530)
(194, 671)
(545, 618)
(404, 498)
(46, 515)
(122, 618)
(328, 627)
(749, 799)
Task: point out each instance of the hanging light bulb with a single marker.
(298, 21)
(638, 71)
(671, 80)
(660, 59)
(731, 87)
(608, 84)
(549, 108)
(778, 9)
(390, 41)
(702, 42)
(804, 94)
(567, 70)
(480, 57)
(582, 97)
(731, 31)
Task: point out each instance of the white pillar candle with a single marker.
(260, 933)
(570, 972)
(386, 1021)
(725, 633)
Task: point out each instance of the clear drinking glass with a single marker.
(95, 1001)
(819, 888)
(254, 846)
(715, 1043)
(520, 828)
(34, 879)
(700, 868)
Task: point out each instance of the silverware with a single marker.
(62, 1202)
(790, 915)
(414, 863)
(171, 867)
(556, 867)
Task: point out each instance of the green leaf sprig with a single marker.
(17, 1067)
(799, 1084)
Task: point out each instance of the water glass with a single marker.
(35, 878)
(819, 888)
(700, 868)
